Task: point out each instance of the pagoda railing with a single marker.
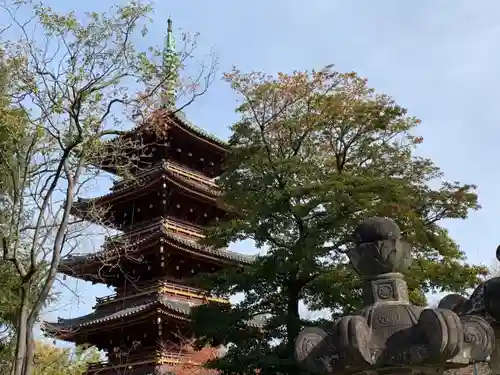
(160, 287)
(176, 226)
(174, 168)
(137, 176)
(189, 174)
(188, 292)
(168, 223)
(176, 358)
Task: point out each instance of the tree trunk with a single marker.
(293, 318)
(22, 326)
(30, 348)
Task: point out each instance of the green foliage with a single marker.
(50, 360)
(312, 155)
(12, 146)
(13, 135)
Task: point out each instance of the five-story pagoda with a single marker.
(152, 264)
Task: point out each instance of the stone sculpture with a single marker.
(390, 335)
(485, 303)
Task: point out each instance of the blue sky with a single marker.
(438, 58)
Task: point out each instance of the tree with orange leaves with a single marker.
(196, 365)
(312, 155)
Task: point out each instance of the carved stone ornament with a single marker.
(483, 304)
(389, 335)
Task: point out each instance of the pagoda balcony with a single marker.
(182, 228)
(168, 224)
(190, 174)
(159, 286)
(174, 168)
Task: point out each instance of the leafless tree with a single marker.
(77, 81)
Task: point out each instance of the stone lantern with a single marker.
(390, 335)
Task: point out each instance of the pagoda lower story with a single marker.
(141, 334)
(144, 327)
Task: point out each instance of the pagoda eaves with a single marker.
(189, 188)
(134, 246)
(157, 304)
(156, 130)
(179, 177)
(191, 128)
(70, 329)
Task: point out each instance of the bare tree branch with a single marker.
(75, 83)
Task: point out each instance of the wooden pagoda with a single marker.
(152, 264)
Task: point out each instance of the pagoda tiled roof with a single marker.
(222, 253)
(160, 228)
(176, 174)
(180, 309)
(181, 121)
(181, 117)
(174, 170)
(176, 308)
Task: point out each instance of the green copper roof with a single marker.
(170, 42)
(170, 69)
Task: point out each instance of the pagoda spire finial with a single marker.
(170, 69)
(170, 42)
